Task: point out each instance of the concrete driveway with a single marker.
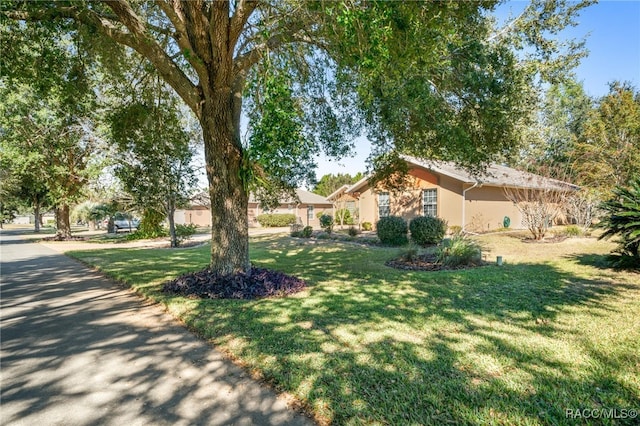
(78, 350)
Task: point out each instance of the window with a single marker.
(384, 209)
(351, 206)
(309, 213)
(430, 202)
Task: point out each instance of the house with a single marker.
(474, 202)
(305, 208)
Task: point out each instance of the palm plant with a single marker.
(623, 219)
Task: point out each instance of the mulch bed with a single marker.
(426, 262)
(259, 284)
(61, 238)
(547, 240)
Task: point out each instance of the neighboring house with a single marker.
(305, 209)
(441, 189)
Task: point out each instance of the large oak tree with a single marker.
(433, 79)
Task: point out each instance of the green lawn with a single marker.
(366, 344)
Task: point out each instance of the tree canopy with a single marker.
(432, 79)
(330, 183)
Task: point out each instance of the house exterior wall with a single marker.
(484, 207)
(299, 210)
(200, 216)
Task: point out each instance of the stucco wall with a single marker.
(197, 216)
(299, 210)
(484, 208)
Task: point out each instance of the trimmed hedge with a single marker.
(392, 230)
(276, 220)
(427, 230)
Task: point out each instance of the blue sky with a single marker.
(612, 31)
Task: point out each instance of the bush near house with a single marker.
(326, 223)
(392, 230)
(461, 251)
(276, 220)
(427, 230)
(367, 226)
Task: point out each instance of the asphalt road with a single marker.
(75, 349)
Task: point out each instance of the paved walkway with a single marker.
(78, 350)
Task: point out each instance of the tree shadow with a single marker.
(76, 349)
(399, 347)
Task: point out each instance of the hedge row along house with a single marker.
(476, 203)
(305, 209)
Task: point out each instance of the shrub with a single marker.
(307, 232)
(151, 225)
(622, 219)
(410, 254)
(326, 223)
(455, 230)
(367, 226)
(295, 229)
(573, 231)
(353, 231)
(343, 217)
(184, 232)
(427, 230)
(276, 220)
(392, 230)
(460, 252)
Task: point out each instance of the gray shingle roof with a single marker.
(494, 175)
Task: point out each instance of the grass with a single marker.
(551, 330)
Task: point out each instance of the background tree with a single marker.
(608, 154)
(432, 79)
(330, 183)
(154, 154)
(47, 117)
(559, 125)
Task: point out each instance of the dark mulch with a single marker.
(61, 238)
(546, 240)
(260, 283)
(425, 262)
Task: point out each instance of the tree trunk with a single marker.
(37, 218)
(63, 224)
(229, 199)
(171, 209)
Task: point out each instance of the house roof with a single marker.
(305, 197)
(337, 192)
(493, 175)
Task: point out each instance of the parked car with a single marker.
(126, 225)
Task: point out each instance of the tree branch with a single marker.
(239, 19)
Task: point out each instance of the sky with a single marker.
(612, 31)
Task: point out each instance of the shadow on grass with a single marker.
(368, 343)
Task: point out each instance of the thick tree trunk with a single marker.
(63, 224)
(229, 199)
(36, 217)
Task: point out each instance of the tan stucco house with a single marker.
(474, 202)
(305, 208)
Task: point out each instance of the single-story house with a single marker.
(474, 202)
(305, 208)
